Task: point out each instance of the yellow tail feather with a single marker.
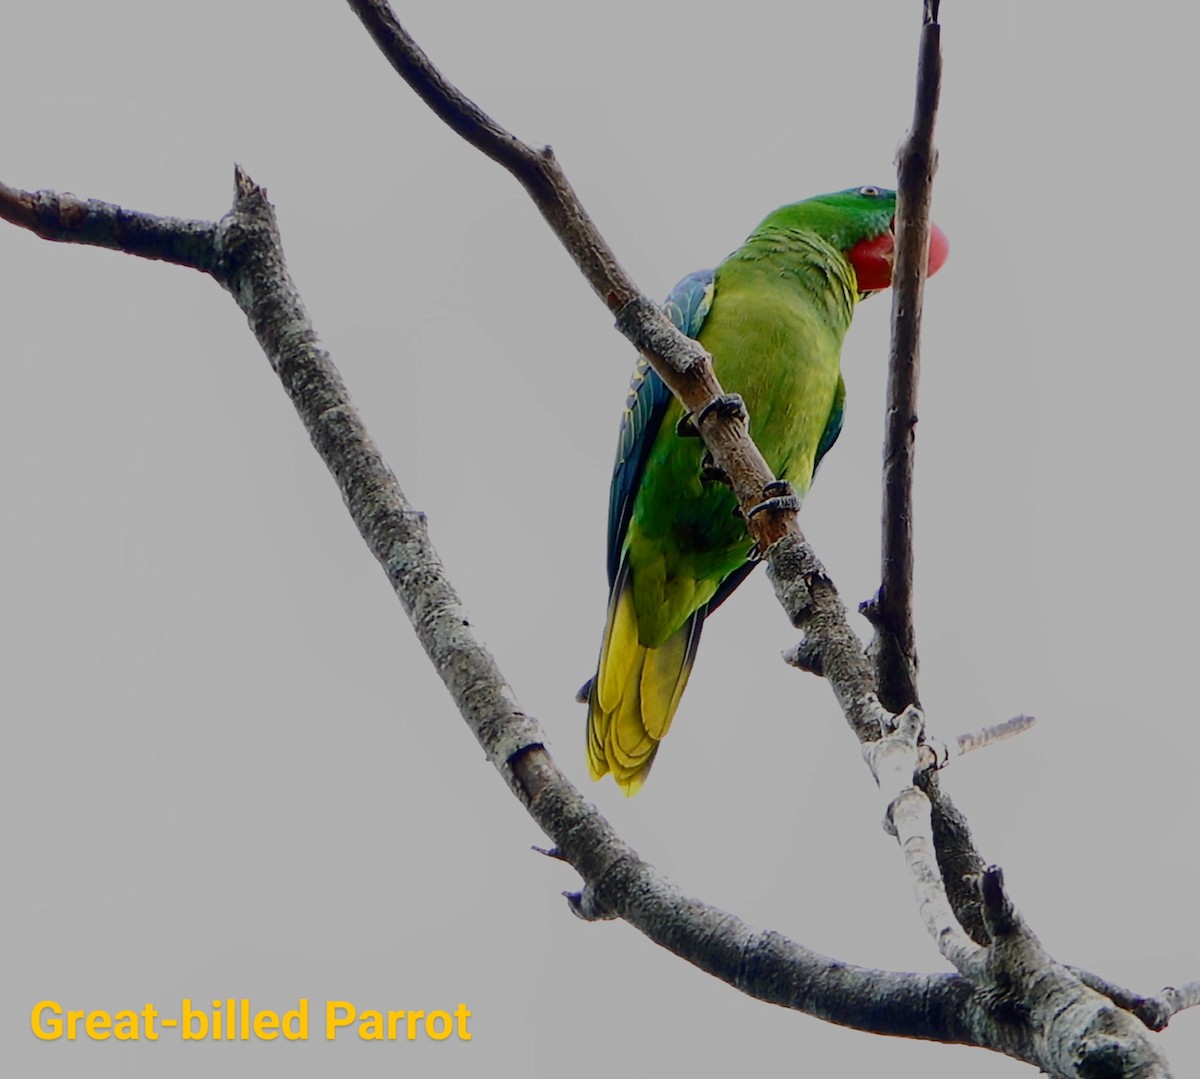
(635, 692)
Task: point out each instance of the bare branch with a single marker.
(536, 170)
(935, 754)
(970, 741)
(1156, 1012)
(68, 219)
(894, 649)
(1088, 1036)
(890, 611)
(960, 862)
(893, 760)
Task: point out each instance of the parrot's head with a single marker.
(860, 222)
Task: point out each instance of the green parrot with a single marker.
(772, 316)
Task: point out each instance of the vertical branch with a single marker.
(895, 647)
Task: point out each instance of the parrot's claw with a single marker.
(779, 497)
(728, 404)
(710, 473)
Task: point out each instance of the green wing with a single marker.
(833, 426)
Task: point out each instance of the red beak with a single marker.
(873, 259)
(939, 250)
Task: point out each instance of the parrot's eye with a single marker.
(870, 191)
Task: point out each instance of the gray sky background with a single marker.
(230, 772)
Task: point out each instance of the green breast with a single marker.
(775, 332)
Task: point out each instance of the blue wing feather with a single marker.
(645, 407)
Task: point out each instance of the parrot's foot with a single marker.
(778, 497)
(728, 404)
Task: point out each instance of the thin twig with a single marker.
(936, 754)
(969, 741)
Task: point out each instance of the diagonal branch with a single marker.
(762, 964)
(537, 170)
(243, 252)
(684, 366)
